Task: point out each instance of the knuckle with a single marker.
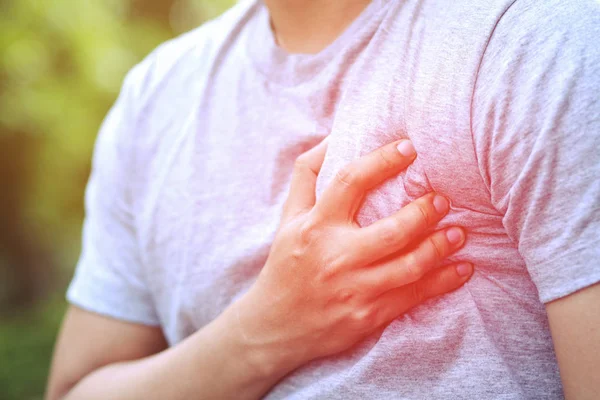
(346, 296)
(389, 235)
(302, 164)
(413, 266)
(338, 261)
(302, 161)
(348, 175)
(329, 269)
(375, 317)
(309, 232)
(325, 274)
(418, 293)
(388, 162)
(363, 317)
(422, 215)
(296, 255)
(394, 232)
(437, 248)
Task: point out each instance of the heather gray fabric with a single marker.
(501, 101)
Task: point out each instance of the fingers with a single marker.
(342, 198)
(392, 234)
(442, 280)
(412, 266)
(304, 177)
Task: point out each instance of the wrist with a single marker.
(219, 360)
(259, 340)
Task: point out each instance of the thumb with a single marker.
(304, 179)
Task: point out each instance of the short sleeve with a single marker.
(109, 278)
(536, 130)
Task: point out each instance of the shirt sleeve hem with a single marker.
(121, 307)
(576, 269)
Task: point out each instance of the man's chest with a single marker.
(216, 207)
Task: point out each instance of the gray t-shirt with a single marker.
(500, 98)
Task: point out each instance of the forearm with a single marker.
(215, 362)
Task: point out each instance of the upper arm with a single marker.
(575, 325)
(89, 341)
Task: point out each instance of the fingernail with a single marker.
(464, 269)
(455, 235)
(406, 148)
(440, 204)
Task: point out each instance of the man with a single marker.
(500, 100)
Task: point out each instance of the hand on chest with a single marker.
(354, 137)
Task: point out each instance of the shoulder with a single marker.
(540, 39)
(539, 76)
(191, 53)
(549, 18)
(160, 92)
(164, 86)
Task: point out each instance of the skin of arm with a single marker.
(99, 358)
(326, 284)
(575, 326)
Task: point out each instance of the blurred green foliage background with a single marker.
(61, 66)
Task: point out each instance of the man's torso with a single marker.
(218, 149)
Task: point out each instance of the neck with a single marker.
(308, 26)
